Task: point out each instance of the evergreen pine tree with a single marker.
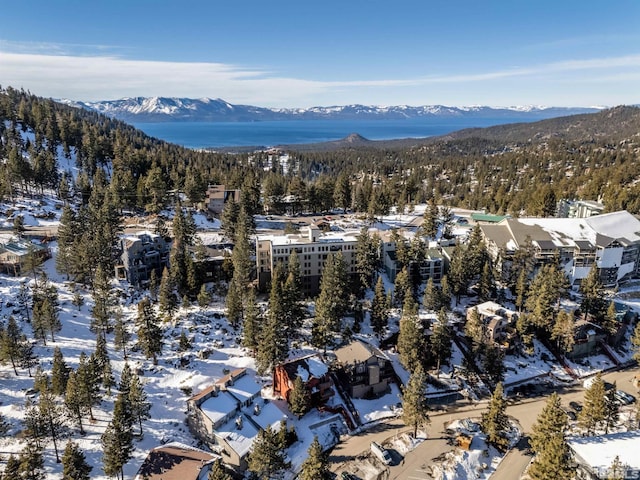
(379, 313)
(218, 472)
(10, 341)
(299, 398)
(486, 287)
(12, 468)
(493, 362)
(117, 440)
(233, 303)
(441, 340)
(240, 255)
(366, 260)
(401, 286)
(332, 302)
(166, 295)
(59, 373)
(411, 344)
(594, 409)
(24, 299)
(593, 297)
(88, 384)
(316, 465)
(121, 335)
(273, 346)
(267, 460)
(251, 324)
(445, 292)
(612, 410)
(521, 289)
(183, 342)
(551, 421)
(563, 331)
(429, 227)
(74, 401)
(31, 463)
(52, 418)
(414, 400)
(149, 331)
(432, 297)
(552, 462)
(101, 312)
(140, 407)
(474, 329)
(294, 311)
(495, 423)
(204, 297)
(28, 358)
(74, 463)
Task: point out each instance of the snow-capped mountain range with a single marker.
(166, 109)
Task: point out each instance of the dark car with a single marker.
(576, 406)
(347, 476)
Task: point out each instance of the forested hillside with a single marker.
(518, 169)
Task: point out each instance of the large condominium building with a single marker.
(313, 248)
(609, 242)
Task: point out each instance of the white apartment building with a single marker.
(312, 246)
(609, 242)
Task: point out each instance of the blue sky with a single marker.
(308, 53)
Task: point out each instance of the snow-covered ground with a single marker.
(215, 351)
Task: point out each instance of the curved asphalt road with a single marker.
(416, 464)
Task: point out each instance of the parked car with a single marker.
(624, 398)
(347, 476)
(571, 414)
(575, 406)
(382, 453)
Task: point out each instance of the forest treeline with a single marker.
(477, 169)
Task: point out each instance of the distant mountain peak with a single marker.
(173, 109)
(355, 138)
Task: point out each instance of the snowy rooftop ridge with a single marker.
(599, 452)
(621, 224)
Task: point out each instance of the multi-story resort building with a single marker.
(608, 242)
(313, 248)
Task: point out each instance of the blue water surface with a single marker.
(288, 132)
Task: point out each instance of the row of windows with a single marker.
(324, 248)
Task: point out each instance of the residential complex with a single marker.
(217, 196)
(313, 248)
(609, 242)
(228, 415)
(141, 253)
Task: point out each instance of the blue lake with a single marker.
(271, 133)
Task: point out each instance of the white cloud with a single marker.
(100, 77)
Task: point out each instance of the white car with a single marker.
(382, 453)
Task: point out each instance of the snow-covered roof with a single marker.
(270, 415)
(174, 461)
(302, 239)
(599, 452)
(239, 439)
(219, 406)
(317, 367)
(244, 388)
(615, 225)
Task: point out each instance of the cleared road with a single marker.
(416, 464)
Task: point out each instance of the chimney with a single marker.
(239, 423)
(256, 410)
